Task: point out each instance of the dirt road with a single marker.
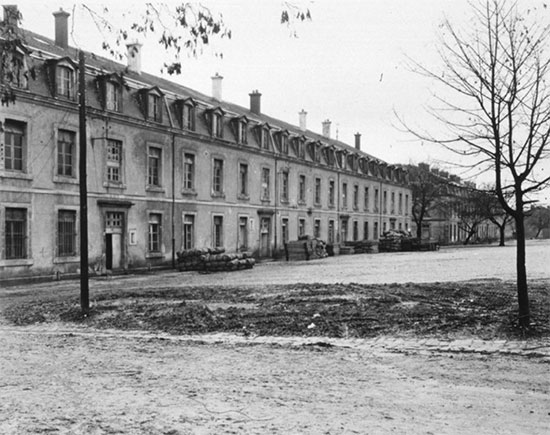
(81, 382)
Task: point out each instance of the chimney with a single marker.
(11, 15)
(217, 87)
(134, 56)
(357, 141)
(303, 115)
(61, 28)
(256, 102)
(326, 128)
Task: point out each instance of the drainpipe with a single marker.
(380, 197)
(173, 211)
(275, 209)
(338, 235)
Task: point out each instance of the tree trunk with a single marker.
(524, 317)
(501, 230)
(471, 232)
(538, 232)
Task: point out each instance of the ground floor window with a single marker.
(188, 231)
(155, 225)
(301, 227)
(284, 229)
(375, 232)
(366, 230)
(331, 231)
(355, 230)
(243, 233)
(16, 233)
(317, 228)
(66, 233)
(217, 232)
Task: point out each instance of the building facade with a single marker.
(168, 169)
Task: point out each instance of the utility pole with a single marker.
(84, 289)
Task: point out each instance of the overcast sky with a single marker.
(348, 65)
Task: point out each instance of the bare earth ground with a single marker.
(72, 378)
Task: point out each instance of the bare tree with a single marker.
(496, 107)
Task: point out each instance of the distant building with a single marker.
(169, 169)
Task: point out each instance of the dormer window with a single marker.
(214, 119)
(187, 113)
(240, 129)
(151, 100)
(281, 139)
(264, 136)
(62, 77)
(298, 144)
(110, 86)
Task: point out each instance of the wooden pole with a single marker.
(84, 289)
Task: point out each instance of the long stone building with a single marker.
(168, 169)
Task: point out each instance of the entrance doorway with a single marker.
(113, 239)
(265, 236)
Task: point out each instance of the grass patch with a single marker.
(486, 309)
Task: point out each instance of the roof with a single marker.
(46, 47)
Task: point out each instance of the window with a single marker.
(243, 233)
(344, 230)
(376, 200)
(366, 199)
(155, 226)
(375, 232)
(317, 198)
(114, 219)
(331, 193)
(284, 230)
(154, 166)
(264, 138)
(331, 232)
(385, 202)
(355, 231)
(188, 114)
(284, 144)
(114, 161)
(266, 175)
(217, 177)
(242, 132)
(392, 203)
(317, 228)
(284, 186)
(406, 205)
(65, 153)
(302, 189)
(217, 233)
(400, 204)
(16, 233)
(365, 230)
(217, 124)
(344, 195)
(243, 180)
(154, 107)
(113, 96)
(188, 172)
(14, 146)
(356, 197)
(301, 227)
(65, 81)
(66, 233)
(188, 231)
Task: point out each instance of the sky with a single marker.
(351, 64)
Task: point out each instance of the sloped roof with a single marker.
(41, 45)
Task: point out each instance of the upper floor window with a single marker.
(217, 176)
(114, 161)
(15, 146)
(214, 118)
(376, 200)
(266, 176)
(344, 195)
(331, 193)
(188, 171)
(302, 189)
(299, 146)
(151, 102)
(113, 96)
(317, 198)
(385, 202)
(264, 138)
(366, 199)
(392, 208)
(355, 197)
(284, 186)
(186, 110)
(154, 166)
(400, 203)
(243, 180)
(65, 81)
(406, 205)
(65, 153)
(240, 129)
(281, 139)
